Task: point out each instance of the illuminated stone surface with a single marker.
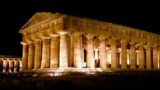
(68, 41)
(54, 51)
(10, 64)
(37, 56)
(133, 55)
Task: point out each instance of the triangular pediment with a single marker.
(37, 18)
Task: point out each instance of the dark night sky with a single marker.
(14, 14)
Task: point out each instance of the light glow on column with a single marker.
(96, 54)
(4, 66)
(158, 58)
(128, 57)
(109, 57)
(120, 59)
(137, 57)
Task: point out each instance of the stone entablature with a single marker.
(62, 41)
(10, 64)
(64, 22)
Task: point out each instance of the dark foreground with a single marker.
(101, 81)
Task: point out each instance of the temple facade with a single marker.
(10, 64)
(54, 40)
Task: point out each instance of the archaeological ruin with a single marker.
(55, 41)
(10, 64)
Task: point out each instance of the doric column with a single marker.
(90, 52)
(128, 57)
(45, 52)
(148, 57)
(70, 43)
(108, 52)
(4, 66)
(114, 59)
(20, 65)
(15, 70)
(159, 57)
(63, 58)
(155, 57)
(82, 53)
(141, 56)
(96, 56)
(54, 56)
(123, 54)
(31, 56)
(24, 56)
(102, 52)
(77, 50)
(11, 66)
(133, 56)
(37, 56)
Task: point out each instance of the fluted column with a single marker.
(133, 56)
(38, 51)
(24, 56)
(31, 56)
(20, 65)
(148, 57)
(102, 52)
(155, 57)
(82, 53)
(77, 50)
(54, 56)
(4, 66)
(15, 70)
(123, 54)
(128, 57)
(10, 65)
(90, 52)
(159, 57)
(45, 52)
(63, 58)
(108, 52)
(141, 56)
(96, 57)
(114, 59)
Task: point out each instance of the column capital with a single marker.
(37, 42)
(123, 42)
(37, 39)
(148, 45)
(53, 35)
(113, 40)
(141, 43)
(29, 41)
(89, 36)
(96, 49)
(132, 42)
(33, 37)
(62, 32)
(44, 36)
(154, 45)
(23, 43)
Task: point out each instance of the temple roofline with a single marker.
(98, 23)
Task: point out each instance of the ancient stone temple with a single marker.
(10, 64)
(54, 40)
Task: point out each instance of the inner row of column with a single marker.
(10, 66)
